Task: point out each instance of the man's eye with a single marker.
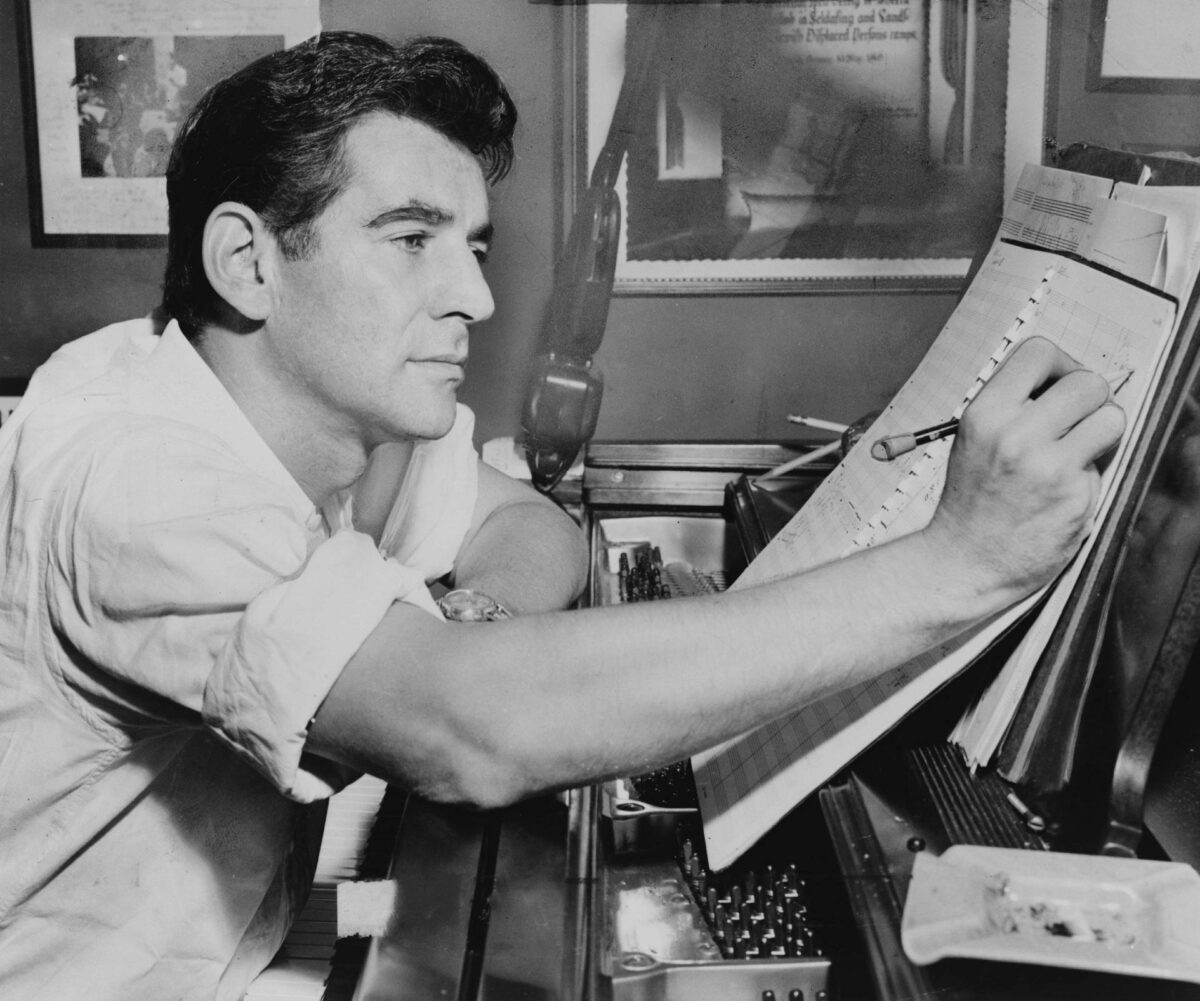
(412, 241)
(481, 254)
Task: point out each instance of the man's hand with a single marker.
(1022, 483)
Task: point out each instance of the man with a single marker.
(217, 543)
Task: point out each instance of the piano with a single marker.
(316, 963)
(603, 893)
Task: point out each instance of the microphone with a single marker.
(561, 410)
(562, 403)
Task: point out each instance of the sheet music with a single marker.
(748, 784)
(1002, 296)
(984, 725)
(982, 728)
(1053, 208)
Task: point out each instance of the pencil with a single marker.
(886, 449)
(803, 460)
(818, 423)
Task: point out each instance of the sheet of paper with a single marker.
(748, 784)
(1053, 208)
(1128, 239)
(1080, 214)
(1181, 207)
(980, 732)
(831, 523)
(983, 727)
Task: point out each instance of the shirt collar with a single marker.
(183, 385)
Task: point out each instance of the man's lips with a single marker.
(454, 366)
(459, 360)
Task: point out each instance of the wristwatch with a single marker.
(465, 605)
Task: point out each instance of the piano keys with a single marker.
(310, 965)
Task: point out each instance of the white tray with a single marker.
(1088, 912)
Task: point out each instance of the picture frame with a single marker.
(1131, 52)
(106, 84)
(1122, 109)
(920, 229)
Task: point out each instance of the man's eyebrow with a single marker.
(413, 211)
(430, 215)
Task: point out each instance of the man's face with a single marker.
(370, 330)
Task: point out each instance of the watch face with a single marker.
(465, 605)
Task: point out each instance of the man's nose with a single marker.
(466, 291)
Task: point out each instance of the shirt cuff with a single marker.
(290, 645)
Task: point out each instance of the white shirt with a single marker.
(173, 610)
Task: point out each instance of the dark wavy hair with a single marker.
(272, 137)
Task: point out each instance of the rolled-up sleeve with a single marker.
(199, 595)
(290, 645)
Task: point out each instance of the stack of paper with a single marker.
(1150, 234)
(1117, 326)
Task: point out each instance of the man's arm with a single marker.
(521, 549)
(490, 713)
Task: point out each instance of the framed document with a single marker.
(805, 146)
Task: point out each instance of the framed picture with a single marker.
(1145, 50)
(805, 146)
(108, 83)
(1119, 79)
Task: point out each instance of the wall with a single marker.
(675, 368)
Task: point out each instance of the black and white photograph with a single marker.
(133, 94)
(105, 86)
(599, 500)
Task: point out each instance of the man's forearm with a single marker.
(491, 713)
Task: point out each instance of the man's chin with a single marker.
(425, 430)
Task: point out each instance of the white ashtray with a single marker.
(1089, 912)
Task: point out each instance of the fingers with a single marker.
(1045, 396)
(1025, 373)
(1097, 434)
(1022, 484)
(1077, 410)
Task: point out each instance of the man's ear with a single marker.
(237, 253)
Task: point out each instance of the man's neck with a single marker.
(320, 456)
